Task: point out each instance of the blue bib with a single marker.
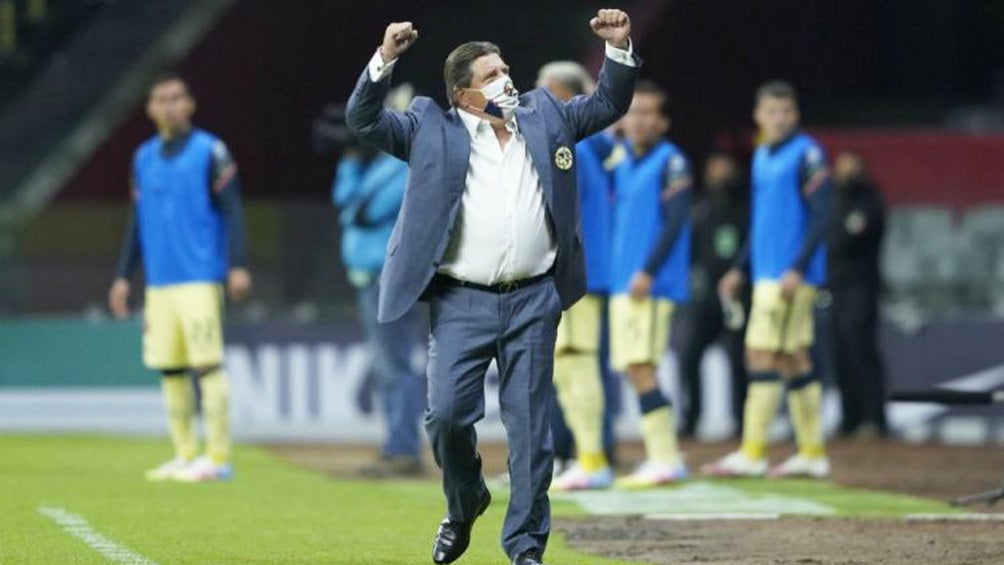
(780, 212)
(595, 203)
(638, 221)
(181, 231)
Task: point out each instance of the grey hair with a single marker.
(569, 74)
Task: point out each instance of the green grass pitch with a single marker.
(272, 513)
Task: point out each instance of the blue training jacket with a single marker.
(369, 197)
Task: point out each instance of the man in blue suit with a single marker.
(489, 236)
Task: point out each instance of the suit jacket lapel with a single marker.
(458, 152)
(532, 127)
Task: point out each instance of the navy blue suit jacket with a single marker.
(437, 147)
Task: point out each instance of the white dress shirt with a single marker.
(502, 232)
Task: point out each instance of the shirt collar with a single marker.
(778, 145)
(173, 146)
(474, 123)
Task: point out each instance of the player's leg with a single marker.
(766, 387)
(200, 308)
(562, 436)
(163, 350)
(640, 334)
(805, 392)
(579, 387)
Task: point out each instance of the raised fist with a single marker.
(614, 26)
(397, 39)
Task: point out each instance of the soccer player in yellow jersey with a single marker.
(187, 229)
(787, 263)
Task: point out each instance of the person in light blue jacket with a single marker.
(368, 192)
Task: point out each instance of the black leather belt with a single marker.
(497, 288)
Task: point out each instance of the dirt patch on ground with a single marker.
(932, 471)
(789, 541)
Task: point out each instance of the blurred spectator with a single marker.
(368, 191)
(721, 219)
(854, 241)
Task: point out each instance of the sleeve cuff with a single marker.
(378, 69)
(616, 54)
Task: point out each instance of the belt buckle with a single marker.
(508, 287)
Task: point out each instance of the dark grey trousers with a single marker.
(469, 328)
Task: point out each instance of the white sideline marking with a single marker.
(77, 526)
(693, 499)
(726, 516)
(954, 518)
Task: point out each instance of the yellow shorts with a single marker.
(183, 326)
(639, 330)
(579, 330)
(778, 325)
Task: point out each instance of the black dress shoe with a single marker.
(529, 557)
(453, 536)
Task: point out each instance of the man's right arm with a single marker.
(366, 114)
(118, 294)
(131, 252)
(129, 255)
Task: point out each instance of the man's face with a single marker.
(847, 167)
(644, 123)
(171, 106)
(719, 171)
(487, 68)
(776, 117)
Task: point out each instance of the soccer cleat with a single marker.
(801, 466)
(574, 478)
(735, 464)
(651, 474)
(167, 471)
(203, 470)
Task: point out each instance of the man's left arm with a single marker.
(675, 204)
(817, 191)
(226, 196)
(675, 212)
(615, 87)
